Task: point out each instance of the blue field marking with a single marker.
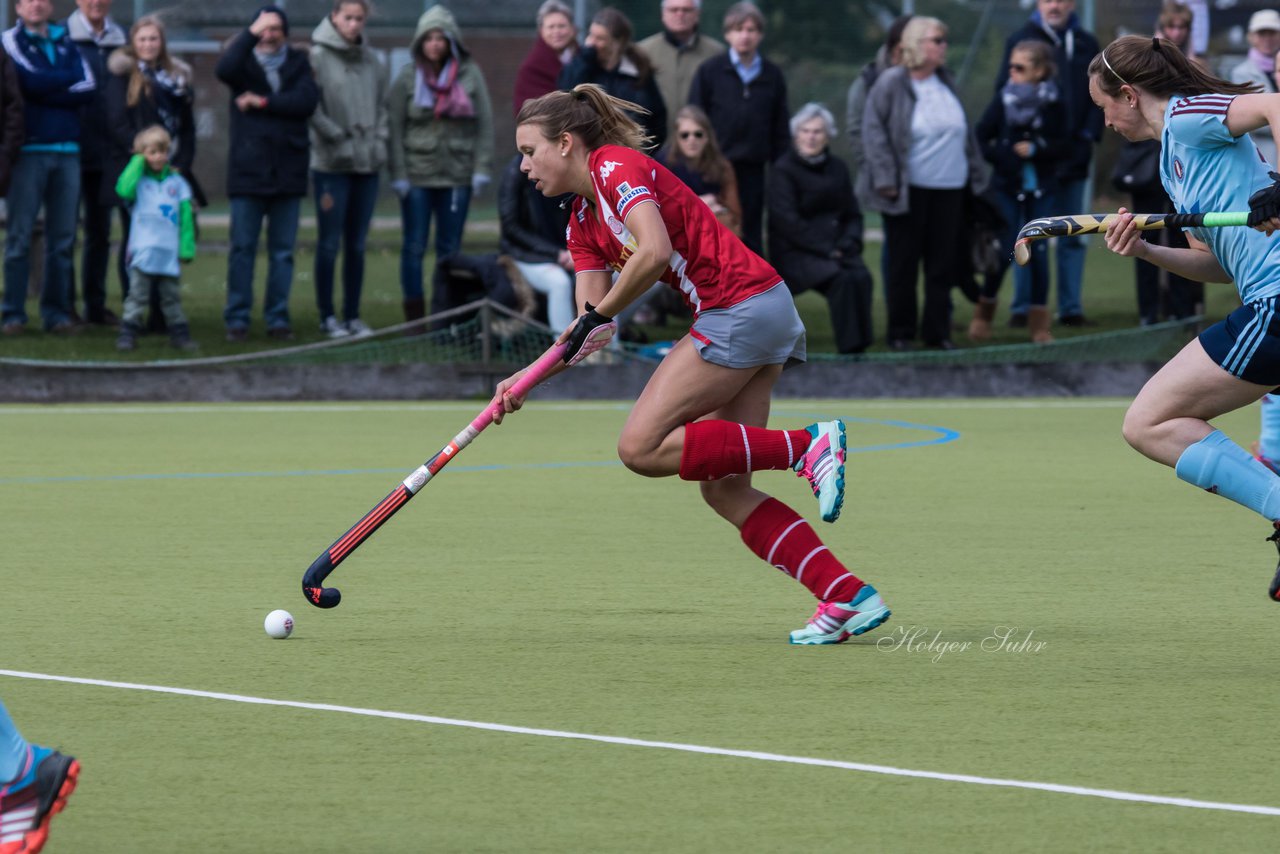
(941, 436)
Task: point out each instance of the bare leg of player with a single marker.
(734, 404)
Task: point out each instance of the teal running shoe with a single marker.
(822, 464)
(836, 623)
(30, 802)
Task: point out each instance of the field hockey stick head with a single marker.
(313, 584)
(1037, 229)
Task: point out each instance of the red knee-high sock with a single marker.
(716, 449)
(783, 539)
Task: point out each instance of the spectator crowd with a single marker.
(97, 127)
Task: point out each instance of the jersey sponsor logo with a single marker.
(624, 188)
(606, 169)
(568, 232)
(1179, 171)
(633, 194)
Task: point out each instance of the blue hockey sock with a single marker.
(1221, 466)
(13, 748)
(1269, 437)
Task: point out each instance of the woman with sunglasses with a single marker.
(703, 413)
(920, 157)
(696, 159)
(1023, 134)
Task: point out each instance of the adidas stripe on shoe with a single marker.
(834, 622)
(822, 464)
(28, 804)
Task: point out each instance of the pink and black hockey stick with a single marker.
(313, 578)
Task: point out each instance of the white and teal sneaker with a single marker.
(822, 464)
(834, 622)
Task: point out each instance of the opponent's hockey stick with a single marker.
(1067, 226)
(313, 578)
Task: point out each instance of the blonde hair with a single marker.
(914, 33)
(154, 136)
(139, 85)
(590, 113)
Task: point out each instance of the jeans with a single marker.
(557, 284)
(52, 180)
(247, 213)
(344, 208)
(449, 204)
(1070, 258)
(1031, 281)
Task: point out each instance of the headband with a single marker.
(1112, 70)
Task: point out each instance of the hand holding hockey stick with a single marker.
(313, 578)
(1068, 226)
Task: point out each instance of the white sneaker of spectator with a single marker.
(332, 328)
(358, 328)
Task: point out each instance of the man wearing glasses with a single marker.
(676, 53)
(1055, 22)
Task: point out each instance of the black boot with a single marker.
(127, 341)
(180, 338)
(415, 309)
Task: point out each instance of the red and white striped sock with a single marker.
(784, 540)
(716, 449)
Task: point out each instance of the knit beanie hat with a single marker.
(284, 19)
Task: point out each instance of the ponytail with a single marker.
(589, 113)
(1157, 66)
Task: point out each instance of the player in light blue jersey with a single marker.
(1148, 90)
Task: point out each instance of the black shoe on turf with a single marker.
(28, 803)
(1273, 592)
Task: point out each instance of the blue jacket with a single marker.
(52, 92)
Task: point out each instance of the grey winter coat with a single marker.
(349, 129)
(439, 152)
(886, 137)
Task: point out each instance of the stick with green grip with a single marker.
(1068, 226)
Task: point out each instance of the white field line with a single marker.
(1109, 794)
(779, 406)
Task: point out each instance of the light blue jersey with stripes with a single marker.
(1204, 168)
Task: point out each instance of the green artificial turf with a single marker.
(538, 584)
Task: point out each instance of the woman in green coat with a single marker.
(440, 148)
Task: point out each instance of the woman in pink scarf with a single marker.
(440, 149)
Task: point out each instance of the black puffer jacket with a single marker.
(815, 224)
(625, 83)
(270, 147)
